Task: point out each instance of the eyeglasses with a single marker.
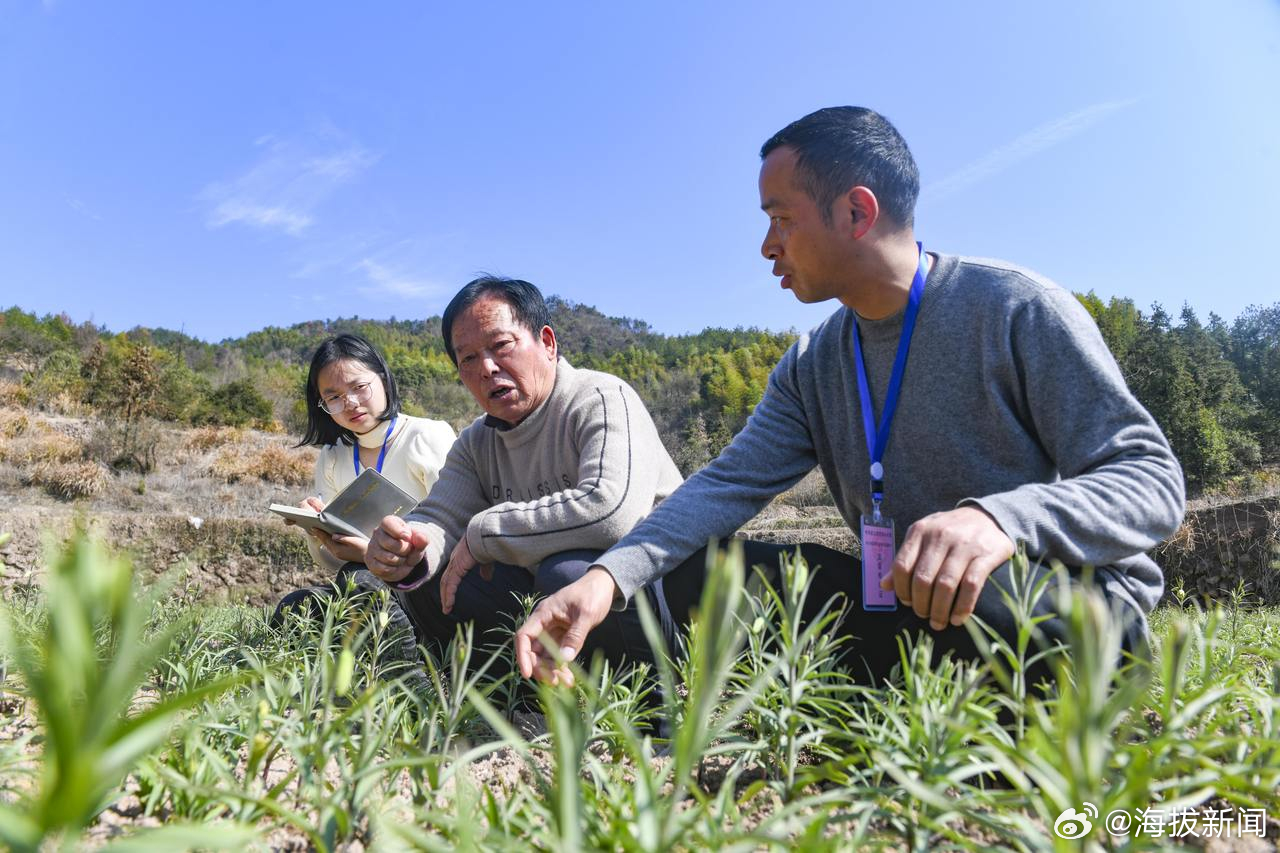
(334, 404)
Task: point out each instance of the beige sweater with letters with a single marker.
(578, 472)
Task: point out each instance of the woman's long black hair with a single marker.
(323, 429)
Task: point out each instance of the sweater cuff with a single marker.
(414, 579)
(1000, 512)
(475, 541)
(620, 598)
(629, 568)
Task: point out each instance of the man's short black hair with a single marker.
(527, 305)
(838, 148)
(322, 429)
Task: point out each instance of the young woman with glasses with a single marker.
(354, 417)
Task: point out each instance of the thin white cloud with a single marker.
(387, 282)
(340, 166)
(287, 219)
(83, 209)
(337, 254)
(284, 188)
(1028, 144)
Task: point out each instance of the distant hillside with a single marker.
(700, 388)
(1214, 388)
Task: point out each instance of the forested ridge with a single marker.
(1214, 387)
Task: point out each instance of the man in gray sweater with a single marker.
(562, 465)
(971, 402)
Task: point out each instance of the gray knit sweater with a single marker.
(1010, 401)
(578, 472)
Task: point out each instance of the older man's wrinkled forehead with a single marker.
(488, 317)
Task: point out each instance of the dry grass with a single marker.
(37, 443)
(71, 479)
(1186, 538)
(196, 471)
(811, 491)
(1251, 485)
(64, 403)
(12, 424)
(271, 463)
(203, 439)
(13, 395)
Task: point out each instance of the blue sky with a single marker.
(221, 167)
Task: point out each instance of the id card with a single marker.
(877, 564)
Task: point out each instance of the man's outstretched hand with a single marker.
(944, 562)
(564, 619)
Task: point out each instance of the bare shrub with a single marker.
(70, 480)
(272, 463)
(206, 438)
(126, 445)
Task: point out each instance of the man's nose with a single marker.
(770, 247)
(488, 367)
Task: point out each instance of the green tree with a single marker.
(1119, 321)
(1255, 350)
(181, 388)
(25, 342)
(123, 380)
(59, 377)
(1159, 373)
(1219, 390)
(237, 403)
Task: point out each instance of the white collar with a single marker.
(374, 437)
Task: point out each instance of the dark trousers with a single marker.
(870, 649)
(494, 608)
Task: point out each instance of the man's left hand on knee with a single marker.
(461, 561)
(944, 562)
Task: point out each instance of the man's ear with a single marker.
(548, 337)
(863, 209)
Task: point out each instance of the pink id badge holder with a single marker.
(877, 531)
(877, 562)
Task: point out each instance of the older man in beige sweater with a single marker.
(562, 465)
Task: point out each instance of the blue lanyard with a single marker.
(355, 450)
(877, 439)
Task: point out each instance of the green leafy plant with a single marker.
(82, 673)
(760, 741)
(793, 712)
